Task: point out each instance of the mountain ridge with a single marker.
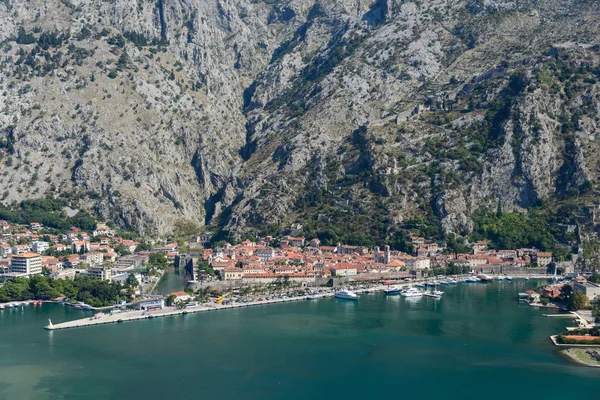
(242, 115)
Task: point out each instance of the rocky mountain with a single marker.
(254, 114)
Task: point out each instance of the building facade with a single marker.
(26, 263)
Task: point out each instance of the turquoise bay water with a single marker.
(475, 342)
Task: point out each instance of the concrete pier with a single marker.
(135, 315)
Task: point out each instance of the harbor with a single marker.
(404, 289)
(387, 340)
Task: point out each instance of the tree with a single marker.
(131, 281)
(203, 266)
(122, 250)
(143, 246)
(596, 313)
(578, 301)
(40, 288)
(565, 292)
(595, 278)
(171, 300)
(158, 260)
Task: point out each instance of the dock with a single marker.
(136, 315)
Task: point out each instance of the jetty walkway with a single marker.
(134, 315)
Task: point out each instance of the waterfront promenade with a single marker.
(134, 315)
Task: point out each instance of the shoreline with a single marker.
(136, 315)
(572, 355)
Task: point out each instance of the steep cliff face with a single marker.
(460, 112)
(147, 126)
(256, 114)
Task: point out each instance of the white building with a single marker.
(5, 250)
(418, 263)
(40, 246)
(104, 274)
(26, 263)
(344, 269)
(591, 290)
(77, 245)
(265, 254)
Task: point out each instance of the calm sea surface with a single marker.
(477, 342)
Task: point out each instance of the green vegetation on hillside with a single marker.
(94, 292)
(49, 212)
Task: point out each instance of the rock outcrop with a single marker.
(242, 113)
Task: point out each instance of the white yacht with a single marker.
(412, 292)
(392, 290)
(346, 295)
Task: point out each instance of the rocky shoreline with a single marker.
(582, 356)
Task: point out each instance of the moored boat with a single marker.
(346, 295)
(392, 290)
(412, 292)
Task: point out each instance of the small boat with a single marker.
(312, 297)
(119, 321)
(9, 305)
(392, 290)
(451, 281)
(420, 285)
(484, 278)
(412, 292)
(1, 306)
(500, 278)
(508, 278)
(526, 278)
(434, 295)
(346, 295)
